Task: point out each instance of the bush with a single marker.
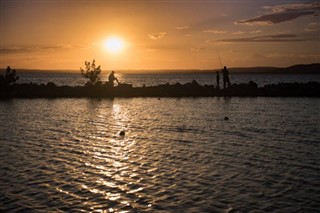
(9, 77)
(91, 72)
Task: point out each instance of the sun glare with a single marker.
(113, 45)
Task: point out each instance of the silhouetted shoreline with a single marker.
(292, 70)
(191, 89)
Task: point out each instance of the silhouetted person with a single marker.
(225, 74)
(112, 78)
(218, 79)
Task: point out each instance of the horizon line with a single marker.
(154, 70)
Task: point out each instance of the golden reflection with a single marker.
(112, 155)
(120, 117)
(116, 111)
(109, 184)
(68, 193)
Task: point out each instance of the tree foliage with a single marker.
(9, 77)
(92, 72)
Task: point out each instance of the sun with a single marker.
(113, 44)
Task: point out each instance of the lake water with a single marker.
(177, 155)
(138, 80)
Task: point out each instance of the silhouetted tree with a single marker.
(9, 77)
(91, 72)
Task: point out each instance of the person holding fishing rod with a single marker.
(225, 76)
(112, 78)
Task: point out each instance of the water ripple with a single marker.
(171, 159)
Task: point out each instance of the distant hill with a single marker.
(295, 69)
(299, 69)
(251, 69)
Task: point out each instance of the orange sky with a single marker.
(159, 34)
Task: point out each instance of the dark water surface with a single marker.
(178, 155)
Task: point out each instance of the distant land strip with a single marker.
(295, 69)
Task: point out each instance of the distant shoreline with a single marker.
(295, 69)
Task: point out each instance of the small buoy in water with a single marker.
(226, 118)
(122, 133)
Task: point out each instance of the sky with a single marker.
(158, 34)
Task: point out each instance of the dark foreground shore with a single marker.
(192, 89)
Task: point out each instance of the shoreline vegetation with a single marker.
(95, 88)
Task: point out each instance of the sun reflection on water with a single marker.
(171, 159)
(111, 157)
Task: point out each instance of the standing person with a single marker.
(225, 74)
(112, 78)
(218, 79)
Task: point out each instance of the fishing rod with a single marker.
(219, 59)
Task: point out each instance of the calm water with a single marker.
(178, 155)
(138, 80)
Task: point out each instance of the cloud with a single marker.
(283, 13)
(238, 33)
(157, 36)
(293, 7)
(275, 18)
(14, 50)
(197, 49)
(312, 27)
(26, 49)
(243, 32)
(256, 31)
(182, 27)
(266, 38)
(215, 31)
